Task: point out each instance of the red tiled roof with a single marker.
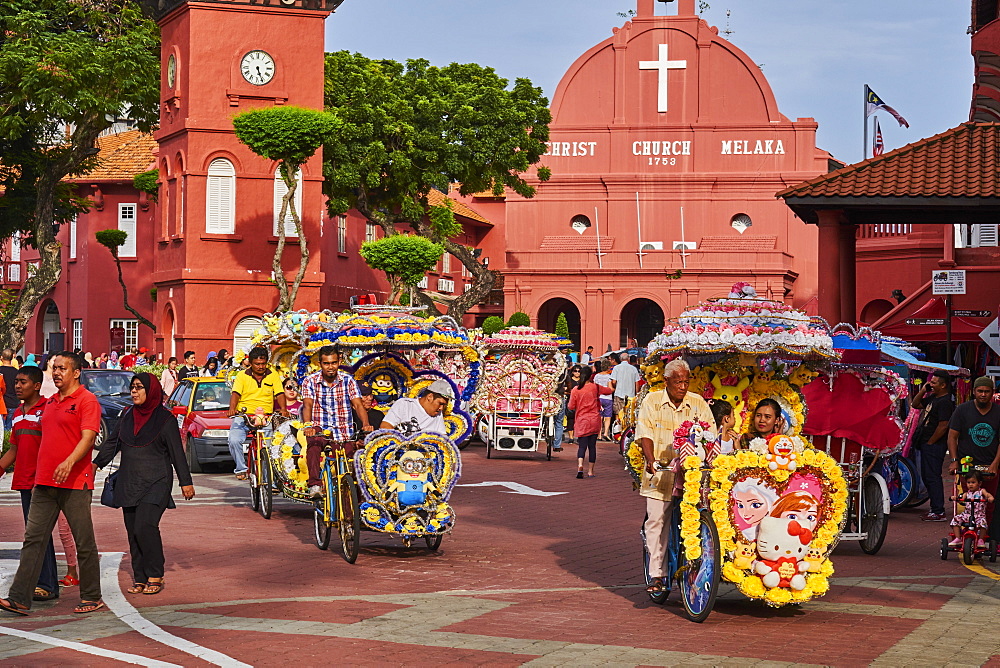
(122, 156)
(961, 162)
(740, 243)
(437, 198)
(575, 243)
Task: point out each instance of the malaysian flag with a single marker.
(873, 103)
(878, 148)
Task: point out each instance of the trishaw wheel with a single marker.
(661, 597)
(321, 529)
(464, 444)
(265, 490)
(993, 551)
(969, 550)
(944, 549)
(488, 456)
(348, 518)
(548, 449)
(699, 578)
(904, 481)
(433, 541)
(254, 494)
(873, 519)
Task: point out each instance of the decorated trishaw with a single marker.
(767, 516)
(517, 400)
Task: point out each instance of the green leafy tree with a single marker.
(148, 182)
(519, 319)
(408, 129)
(405, 260)
(492, 325)
(562, 326)
(68, 68)
(113, 240)
(289, 135)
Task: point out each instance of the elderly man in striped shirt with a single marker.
(328, 396)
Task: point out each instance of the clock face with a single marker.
(171, 70)
(257, 67)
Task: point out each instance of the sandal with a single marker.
(655, 586)
(137, 588)
(44, 595)
(69, 581)
(154, 587)
(243, 476)
(87, 607)
(11, 606)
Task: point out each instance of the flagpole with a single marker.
(864, 117)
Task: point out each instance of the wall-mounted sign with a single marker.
(972, 314)
(948, 282)
(752, 147)
(571, 149)
(923, 322)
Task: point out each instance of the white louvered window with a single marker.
(15, 248)
(14, 272)
(984, 235)
(77, 334)
(220, 198)
(131, 327)
(341, 234)
(244, 330)
(446, 263)
(423, 283)
(72, 238)
(446, 285)
(370, 232)
(126, 223)
(279, 194)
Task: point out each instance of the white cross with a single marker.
(664, 65)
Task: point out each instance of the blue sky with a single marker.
(816, 55)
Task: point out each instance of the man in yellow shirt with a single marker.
(662, 412)
(253, 388)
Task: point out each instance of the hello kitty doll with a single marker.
(782, 545)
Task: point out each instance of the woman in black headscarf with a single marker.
(150, 443)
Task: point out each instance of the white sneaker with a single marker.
(316, 492)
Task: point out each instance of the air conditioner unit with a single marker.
(685, 245)
(650, 245)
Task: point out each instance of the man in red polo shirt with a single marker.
(25, 437)
(64, 481)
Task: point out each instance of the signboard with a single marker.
(991, 335)
(948, 282)
(972, 314)
(925, 321)
(118, 339)
(993, 371)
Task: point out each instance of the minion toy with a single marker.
(411, 484)
(383, 390)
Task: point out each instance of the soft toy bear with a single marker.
(781, 547)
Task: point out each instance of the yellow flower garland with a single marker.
(726, 471)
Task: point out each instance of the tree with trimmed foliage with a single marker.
(409, 129)
(405, 260)
(68, 69)
(492, 325)
(290, 136)
(562, 326)
(113, 240)
(519, 319)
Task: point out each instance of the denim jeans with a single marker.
(560, 425)
(237, 436)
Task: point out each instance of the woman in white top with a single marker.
(602, 378)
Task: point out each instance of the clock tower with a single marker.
(217, 205)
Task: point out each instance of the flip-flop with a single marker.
(87, 607)
(69, 581)
(154, 588)
(43, 595)
(655, 586)
(11, 606)
(137, 588)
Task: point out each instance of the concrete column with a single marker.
(829, 265)
(645, 8)
(848, 273)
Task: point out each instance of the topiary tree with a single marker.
(289, 135)
(404, 259)
(562, 326)
(519, 319)
(113, 240)
(492, 325)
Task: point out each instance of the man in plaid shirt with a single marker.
(327, 399)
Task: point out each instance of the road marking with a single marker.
(115, 600)
(514, 487)
(979, 569)
(134, 659)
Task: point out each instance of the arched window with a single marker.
(244, 330)
(220, 198)
(580, 223)
(279, 193)
(741, 222)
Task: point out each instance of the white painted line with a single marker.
(514, 487)
(134, 659)
(115, 600)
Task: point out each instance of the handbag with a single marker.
(108, 495)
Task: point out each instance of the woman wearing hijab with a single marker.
(150, 444)
(88, 361)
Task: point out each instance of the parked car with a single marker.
(200, 405)
(111, 386)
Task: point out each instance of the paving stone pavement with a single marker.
(542, 581)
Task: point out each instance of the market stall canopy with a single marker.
(934, 310)
(894, 353)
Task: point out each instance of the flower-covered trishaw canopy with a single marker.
(517, 399)
(767, 515)
(405, 479)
